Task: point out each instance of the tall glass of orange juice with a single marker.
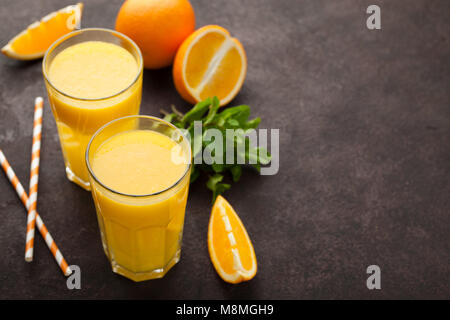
(92, 76)
(139, 170)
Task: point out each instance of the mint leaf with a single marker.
(214, 184)
(197, 112)
(236, 172)
(212, 111)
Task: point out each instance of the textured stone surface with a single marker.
(364, 173)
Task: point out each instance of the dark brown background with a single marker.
(364, 119)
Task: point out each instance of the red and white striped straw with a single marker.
(34, 178)
(40, 224)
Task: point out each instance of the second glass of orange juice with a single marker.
(92, 76)
(139, 168)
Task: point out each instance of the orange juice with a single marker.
(137, 162)
(140, 194)
(89, 83)
(93, 69)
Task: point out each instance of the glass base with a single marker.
(142, 276)
(72, 177)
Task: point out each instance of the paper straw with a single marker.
(40, 224)
(34, 178)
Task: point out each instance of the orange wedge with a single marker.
(36, 39)
(209, 63)
(229, 245)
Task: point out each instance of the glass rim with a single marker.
(91, 171)
(69, 35)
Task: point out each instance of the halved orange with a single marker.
(32, 42)
(229, 245)
(209, 63)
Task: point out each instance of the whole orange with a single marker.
(157, 26)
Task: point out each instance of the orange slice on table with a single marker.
(209, 63)
(229, 245)
(36, 39)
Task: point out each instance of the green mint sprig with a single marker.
(236, 118)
